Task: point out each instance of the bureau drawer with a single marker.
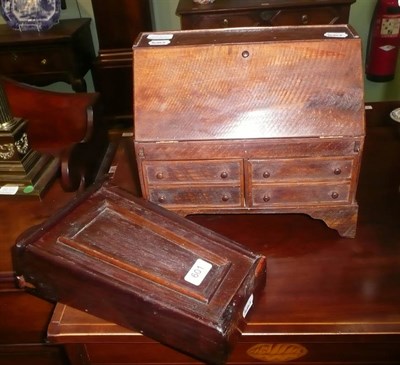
(225, 20)
(306, 16)
(35, 60)
(167, 172)
(260, 17)
(304, 194)
(324, 351)
(306, 169)
(222, 196)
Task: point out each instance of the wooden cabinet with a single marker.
(236, 121)
(248, 13)
(118, 22)
(64, 53)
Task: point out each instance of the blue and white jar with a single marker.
(31, 15)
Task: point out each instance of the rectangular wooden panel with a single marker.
(138, 265)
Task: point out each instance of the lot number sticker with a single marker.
(198, 272)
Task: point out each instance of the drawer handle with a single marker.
(162, 199)
(266, 174)
(43, 62)
(225, 198)
(304, 19)
(266, 198)
(160, 175)
(266, 15)
(224, 175)
(335, 195)
(337, 171)
(225, 23)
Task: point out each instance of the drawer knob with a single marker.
(225, 23)
(43, 62)
(335, 195)
(159, 175)
(224, 175)
(266, 198)
(266, 15)
(225, 198)
(337, 171)
(266, 174)
(162, 199)
(304, 19)
(245, 54)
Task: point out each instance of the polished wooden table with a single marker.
(328, 300)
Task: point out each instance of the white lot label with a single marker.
(198, 272)
(160, 36)
(336, 35)
(159, 39)
(160, 42)
(8, 190)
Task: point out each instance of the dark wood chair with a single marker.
(67, 125)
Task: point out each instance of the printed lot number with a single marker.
(198, 272)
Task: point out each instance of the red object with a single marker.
(383, 41)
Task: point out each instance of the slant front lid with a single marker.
(248, 83)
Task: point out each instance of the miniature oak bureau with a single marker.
(251, 120)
